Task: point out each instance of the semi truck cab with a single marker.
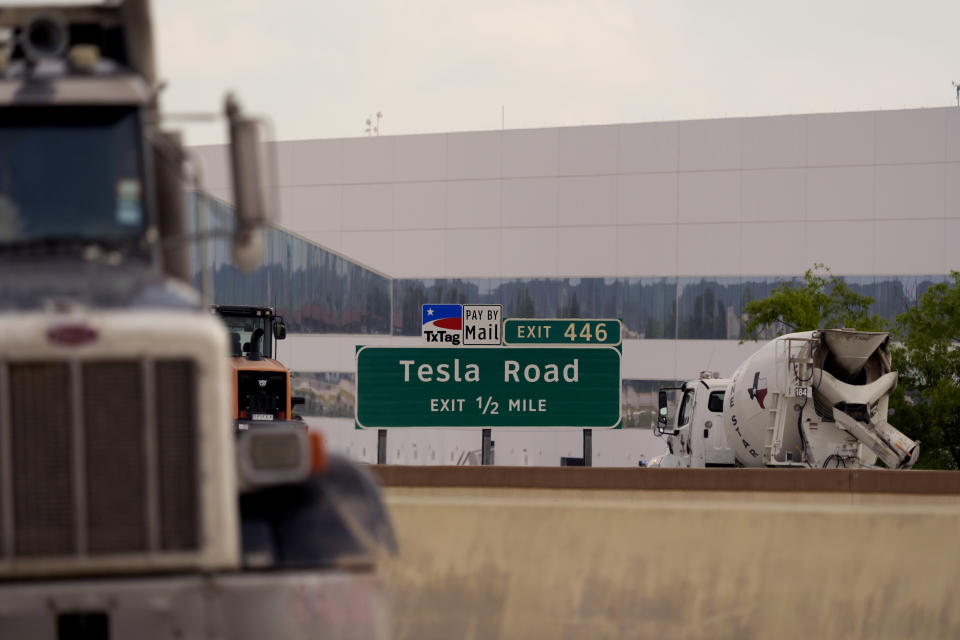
(129, 506)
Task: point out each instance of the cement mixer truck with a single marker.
(815, 399)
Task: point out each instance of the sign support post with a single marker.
(485, 447)
(381, 446)
(588, 447)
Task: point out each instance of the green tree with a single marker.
(926, 402)
(822, 301)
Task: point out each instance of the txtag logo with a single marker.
(442, 323)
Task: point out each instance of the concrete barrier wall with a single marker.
(840, 558)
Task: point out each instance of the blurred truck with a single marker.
(129, 506)
(811, 399)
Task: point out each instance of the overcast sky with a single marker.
(319, 68)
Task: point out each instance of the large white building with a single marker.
(671, 226)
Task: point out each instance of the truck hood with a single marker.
(267, 364)
(44, 283)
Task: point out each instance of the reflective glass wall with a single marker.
(315, 291)
(670, 308)
(318, 291)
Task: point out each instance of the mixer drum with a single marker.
(761, 382)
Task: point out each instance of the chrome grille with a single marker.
(43, 505)
(98, 457)
(176, 406)
(115, 492)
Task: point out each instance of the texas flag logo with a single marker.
(759, 389)
(442, 323)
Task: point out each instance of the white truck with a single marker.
(129, 507)
(816, 399)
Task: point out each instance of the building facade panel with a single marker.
(648, 148)
(473, 155)
(694, 356)
(372, 248)
(709, 248)
(647, 198)
(587, 200)
(309, 162)
(773, 195)
(648, 249)
(953, 134)
(332, 240)
(911, 246)
(312, 208)
(774, 142)
(951, 244)
(951, 208)
(368, 160)
(911, 135)
(368, 207)
(587, 151)
(420, 158)
(911, 191)
(847, 247)
(529, 202)
(529, 153)
(473, 204)
(773, 248)
(841, 193)
(469, 252)
(418, 253)
(214, 166)
(587, 251)
(420, 205)
(529, 252)
(709, 145)
(841, 139)
(709, 197)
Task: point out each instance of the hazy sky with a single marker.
(318, 69)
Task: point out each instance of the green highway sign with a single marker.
(490, 387)
(561, 331)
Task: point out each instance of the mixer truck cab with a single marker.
(261, 384)
(695, 436)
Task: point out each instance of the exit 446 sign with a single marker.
(488, 387)
(561, 332)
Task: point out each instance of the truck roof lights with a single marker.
(84, 57)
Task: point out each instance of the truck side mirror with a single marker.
(295, 400)
(279, 329)
(662, 414)
(250, 191)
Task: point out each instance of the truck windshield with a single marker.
(686, 408)
(70, 173)
(241, 330)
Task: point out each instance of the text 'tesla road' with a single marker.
(513, 371)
